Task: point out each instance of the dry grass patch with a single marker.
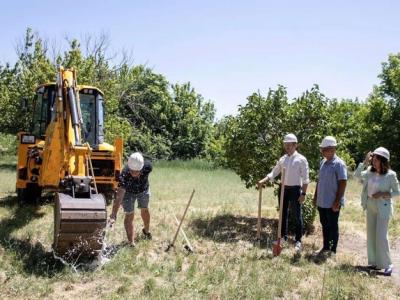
(221, 225)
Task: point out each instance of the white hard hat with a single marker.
(136, 161)
(328, 141)
(381, 151)
(290, 138)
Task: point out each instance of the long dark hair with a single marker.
(385, 166)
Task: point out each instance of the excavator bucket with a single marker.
(79, 225)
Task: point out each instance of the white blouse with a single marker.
(373, 184)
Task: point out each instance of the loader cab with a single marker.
(42, 112)
(92, 109)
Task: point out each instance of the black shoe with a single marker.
(146, 235)
(372, 267)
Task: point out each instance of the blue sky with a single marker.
(229, 49)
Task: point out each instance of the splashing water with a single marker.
(75, 259)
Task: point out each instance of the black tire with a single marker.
(30, 195)
(109, 197)
(107, 191)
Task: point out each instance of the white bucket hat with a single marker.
(290, 138)
(381, 151)
(136, 161)
(328, 141)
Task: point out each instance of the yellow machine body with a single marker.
(65, 152)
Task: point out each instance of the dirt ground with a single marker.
(355, 243)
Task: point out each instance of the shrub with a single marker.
(8, 144)
(309, 212)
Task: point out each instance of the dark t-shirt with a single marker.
(136, 184)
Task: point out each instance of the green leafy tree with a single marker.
(190, 122)
(390, 76)
(254, 138)
(143, 99)
(216, 149)
(309, 119)
(382, 113)
(347, 125)
(32, 68)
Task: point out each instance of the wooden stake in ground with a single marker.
(188, 246)
(276, 246)
(180, 224)
(259, 213)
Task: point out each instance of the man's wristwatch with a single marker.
(303, 193)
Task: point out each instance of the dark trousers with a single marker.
(290, 199)
(330, 227)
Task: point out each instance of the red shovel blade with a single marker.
(276, 247)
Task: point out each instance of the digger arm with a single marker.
(64, 153)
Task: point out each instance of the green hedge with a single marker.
(8, 144)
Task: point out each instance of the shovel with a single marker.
(276, 245)
(188, 246)
(180, 224)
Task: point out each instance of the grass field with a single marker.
(221, 225)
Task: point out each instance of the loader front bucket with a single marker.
(79, 225)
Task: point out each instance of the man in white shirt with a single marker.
(296, 183)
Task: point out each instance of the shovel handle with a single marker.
(183, 217)
(259, 213)
(281, 203)
(183, 233)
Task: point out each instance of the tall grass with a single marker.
(7, 173)
(221, 225)
(193, 164)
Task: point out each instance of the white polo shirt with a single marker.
(297, 170)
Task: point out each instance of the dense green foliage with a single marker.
(253, 139)
(161, 119)
(255, 136)
(172, 121)
(8, 144)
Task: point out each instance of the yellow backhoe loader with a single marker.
(64, 152)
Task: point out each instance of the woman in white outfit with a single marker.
(380, 185)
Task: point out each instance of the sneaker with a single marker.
(388, 271)
(297, 247)
(146, 235)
